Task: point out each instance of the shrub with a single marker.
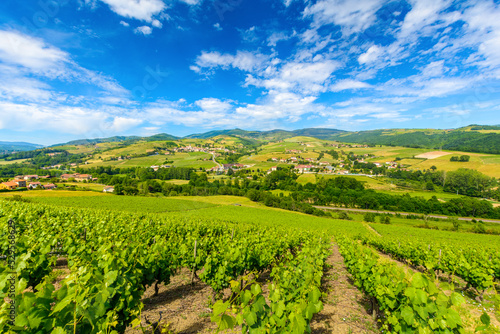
(344, 215)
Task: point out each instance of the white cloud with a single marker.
(284, 105)
(120, 124)
(434, 69)
(348, 84)
(249, 35)
(276, 37)
(25, 55)
(157, 24)
(125, 24)
(213, 105)
(304, 77)
(90, 122)
(483, 29)
(32, 53)
(423, 14)
(243, 60)
(351, 16)
(170, 112)
(192, 2)
(423, 87)
(142, 10)
(145, 30)
(370, 55)
(217, 26)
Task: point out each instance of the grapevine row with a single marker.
(411, 303)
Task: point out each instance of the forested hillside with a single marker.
(467, 141)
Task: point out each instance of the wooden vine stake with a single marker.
(194, 267)
(85, 234)
(439, 262)
(232, 234)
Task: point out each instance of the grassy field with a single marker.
(279, 191)
(228, 208)
(440, 224)
(179, 182)
(191, 159)
(3, 162)
(126, 203)
(261, 215)
(306, 178)
(91, 186)
(438, 236)
(53, 193)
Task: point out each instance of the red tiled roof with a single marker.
(10, 184)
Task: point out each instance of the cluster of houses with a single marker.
(296, 160)
(78, 177)
(59, 166)
(227, 167)
(211, 150)
(23, 182)
(155, 167)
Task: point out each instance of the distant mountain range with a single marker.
(161, 136)
(472, 138)
(271, 134)
(17, 146)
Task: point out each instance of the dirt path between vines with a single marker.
(345, 307)
(184, 307)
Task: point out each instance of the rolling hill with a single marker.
(472, 138)
(18, 146)
(463, 139)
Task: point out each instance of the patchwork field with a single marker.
(432, 155)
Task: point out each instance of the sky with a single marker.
(81, 69)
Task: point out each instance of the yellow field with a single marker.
(178, 182)
(305, 178)
(92, 186)
(3, 162)
(486, 164)
(223, 200)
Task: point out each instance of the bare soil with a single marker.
(184, 307)
(432, 155)
(345, 308)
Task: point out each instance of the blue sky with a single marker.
(73, 69)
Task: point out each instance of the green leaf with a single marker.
(453, 319)
(485, 319)
(136, 322)
(220, 307)
(407, 314)
(250, 318)
(256, 289)
(280, 309)
(421, 297)
(110, 277)
(227, 322)
(457, 299)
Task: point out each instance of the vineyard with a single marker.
(114, 256)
